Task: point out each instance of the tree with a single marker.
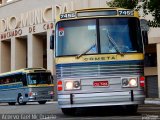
(153, 7)
(149, 7)
(128, 4)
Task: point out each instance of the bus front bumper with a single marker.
(40, 98)
(100, 99)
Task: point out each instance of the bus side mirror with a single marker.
(145, 37)
(144, 28)
(52, 79)
(52, 41)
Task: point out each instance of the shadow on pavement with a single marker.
(104, 111)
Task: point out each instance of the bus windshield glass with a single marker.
(39, 78)
(107, 35)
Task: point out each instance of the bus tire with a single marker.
(69, 111)
(132, 109)
(11, 103)
(20, 100)
(42, 102)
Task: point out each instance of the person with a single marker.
(7, 80)
(2, 81)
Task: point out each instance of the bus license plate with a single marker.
(100, 83)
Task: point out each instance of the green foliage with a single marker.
(153, 7)
(149, 6)
(128, 4)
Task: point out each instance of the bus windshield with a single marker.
(39, 78)
(107, 35)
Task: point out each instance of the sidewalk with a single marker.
(152, 101)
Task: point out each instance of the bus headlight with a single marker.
(76, 84)
(69, 85)
(129, 82)
(133, 82)
(72, 85)
(125, 82)
(32, 93)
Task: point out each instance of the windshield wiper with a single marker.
(78, 56)
(114, 44)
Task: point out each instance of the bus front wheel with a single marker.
(69, 111)
(20, 100)
(42, 102)
(132, 108)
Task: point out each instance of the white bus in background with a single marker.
(26, 85)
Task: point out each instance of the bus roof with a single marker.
(98, 12)
(107, 8)
(24, 70)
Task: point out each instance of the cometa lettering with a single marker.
(100, 58)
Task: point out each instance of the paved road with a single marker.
(52, 111)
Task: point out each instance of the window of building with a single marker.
(9, 1)
(150, 60)
(150, 55)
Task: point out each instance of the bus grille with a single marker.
(98, 69)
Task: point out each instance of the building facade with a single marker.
(26, 27)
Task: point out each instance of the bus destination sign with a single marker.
(67, 15)
(126, 12)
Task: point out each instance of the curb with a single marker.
(152, 101)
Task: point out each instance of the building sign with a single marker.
(9, 34)
(26, 30)
(13, 25)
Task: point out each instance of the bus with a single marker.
(99, 56)
(26, 85)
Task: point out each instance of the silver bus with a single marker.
(99, 58)
(26, 85)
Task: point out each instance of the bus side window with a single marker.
(2, 81)
(16, 78)
(7, 80)
(52, 79)
(11, 79)
(20, 78)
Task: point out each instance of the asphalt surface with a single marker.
(50, 111)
